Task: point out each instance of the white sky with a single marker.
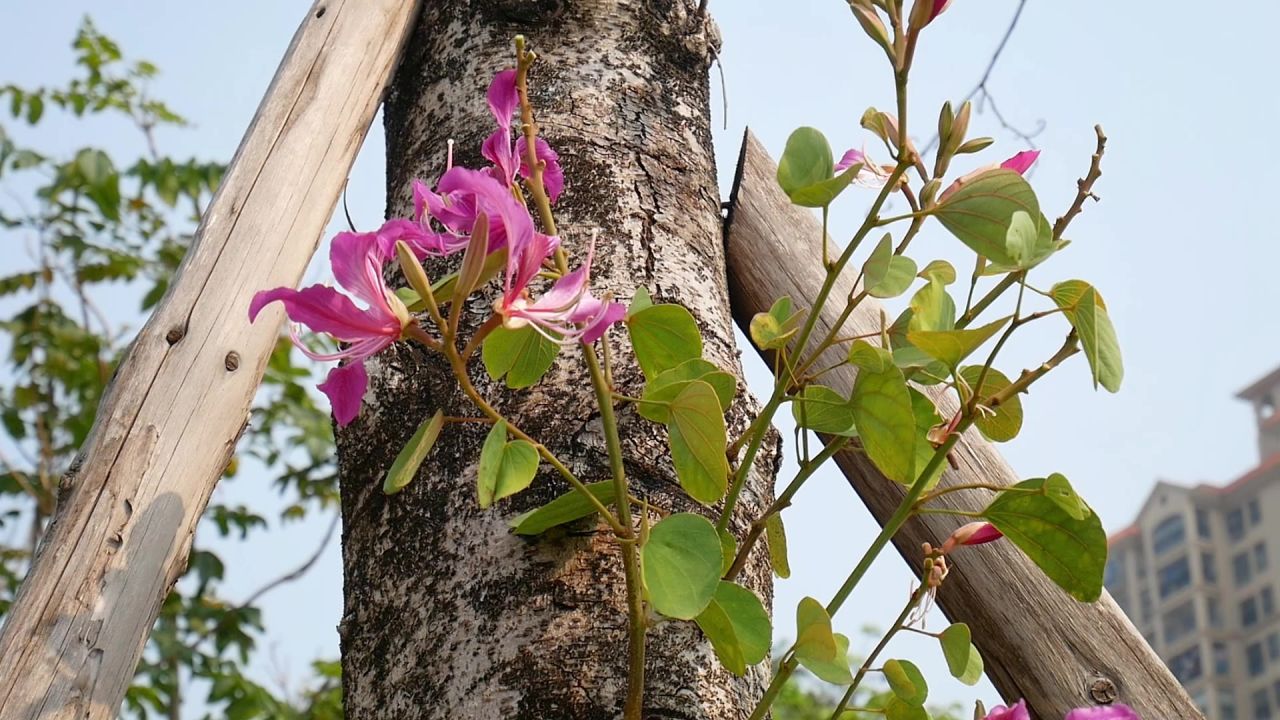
(1183, 246)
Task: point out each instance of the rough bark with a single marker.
(168, 424)
(1037, 642)
(449, 615)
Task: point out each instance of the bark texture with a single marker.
(449, 615)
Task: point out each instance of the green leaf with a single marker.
(1029, 243)
(698, 442)
(806, 167)
(772, 330)
(980, 212)
(814, 639)
(446, 287)
(944, 271)
(1058, 489)
(906, 681)
(821, 409)
(973, 671)
(886, 275)
(951, 347)
(660, 391)
(95, 166)
(1003, 422)
(956, 642)
(822, 194)
(932, 307)
(681, 565)
(1086, 311)
(775, 535)
(415, 451)
(864, 355)
(567, 508)
(886, 424)
(899, 709)
(738, 627)
(505, 468)
(663, 336)
(926, 417)
(522, 355)
(1072, 552)
(728, 550)
(836, 670)
(639, 301)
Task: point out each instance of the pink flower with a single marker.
(509, 158)
(566, 312)
(870, 175)
(357, 260)
(939, 6)
(974, 533)
(1019, 163)
(1017, 712)
(1119, 711)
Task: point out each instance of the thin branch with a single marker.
(983, 93)
(299, 571)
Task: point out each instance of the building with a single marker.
(1198, 573)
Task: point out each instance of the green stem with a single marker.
(756, 434)
(898, 625)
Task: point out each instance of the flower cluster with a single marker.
(442, 224)
(1019, 711)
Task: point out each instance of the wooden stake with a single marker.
(169, 422)
(1038, 643)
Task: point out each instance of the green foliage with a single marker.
(1072, 551)
(906, 681)
(663, 336)
(104, 226)
(1084, 307)
(505, 468)
(887, 275)
(522, 356)
(772, 330)
(738, 627)
(1003, 422)
(981, 211)
(566, 508)
(415, 451)
(663, 389)
(951, 347)
(681, 563)
(806, 171)
(962, 657)
(886, 422)
(821, 409)
(776, 536)
(698, 439)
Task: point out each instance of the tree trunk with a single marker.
(449, 615)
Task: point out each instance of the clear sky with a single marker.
(1182, 246)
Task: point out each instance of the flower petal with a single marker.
(345, 387)
(612, 312)
(503, 97)
(552, 174)
(1021, 162)
(850, 158)
(357, 260)
(1017, 712)
(326, 310)
(1119, 711)
(497, 150)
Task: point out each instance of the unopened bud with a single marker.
(882, 124)
(924, 12)
(870, 21)
(974, 533)
(975, 145)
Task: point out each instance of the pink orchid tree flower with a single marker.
(939, 6)
(1015, 712)
(974, 533)
(1118, 711)
(871, 175)
(1019, 163)
(565, 313)
(508, 158)
(357, 260)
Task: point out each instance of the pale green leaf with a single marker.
(681, 564)
(411, 456)
(698, 441)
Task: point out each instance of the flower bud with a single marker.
(871, 24)
(924, 12)
(975, 533)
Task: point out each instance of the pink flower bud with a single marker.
(975, 533)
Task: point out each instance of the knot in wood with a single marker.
(232, 361)
(1103, 691)
(173, 336)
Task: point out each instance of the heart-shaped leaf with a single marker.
(906, 681)
(663, 336)
(1003, 422)
(886, 424)
(660, 391)
(821, 409)
(886, 275)
(522, 355)
(980, 211)
(567, 508)
(772, 330)
(505, 468)
(681, 564)
(738, 627)
(1087, 313)
(951, 347)
(698, 441)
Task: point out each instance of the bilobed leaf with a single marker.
(814, 639)
(821, 409)
(926, 417)
(698, 441)
(681, 565)
(1086, 311)
(951, 347)
(773, 329)
(522, 355)
(899, 709)
(864, 355)
(1072, 552)
(981, 211)
(1058, 489)
(956, 642)
(775, 535)
(411, 456)
(973, 670)
(1003, 422)
(639, 301)
(906, 681)
(738, 627)
(941, 270)
(885, 422)
(505, 468)
(663, 336)
(661, 390)
(567, 508)
(836, 670)
(932, 307)
(822, 194)
(806, 162)
(886, 275)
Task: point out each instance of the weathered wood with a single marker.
(169, 422)
(1037, 642)
(449, 615)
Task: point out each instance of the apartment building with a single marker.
(1198, 573)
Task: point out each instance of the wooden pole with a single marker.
(1038, 643)
(169, 422)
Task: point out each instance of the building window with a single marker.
(1203, 529)
(1174, 577)
(1255, 512)
(1179, 622)
(1273, 647)
(1241, 569)
(1144, 600)
(1255, 660)
(1169, 534)
(1114, 574)
(1221, 659)
(1249, 613)
(1268, 601)
(1226, 704)
(1208, 567)
(1186, 665)
(1260, 557)
(1215, 613)
(1235, 524)
(1262, 705)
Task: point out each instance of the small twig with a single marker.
(298, 571)
(1084, 186)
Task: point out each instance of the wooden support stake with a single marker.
(1038, 643)
(169, 422)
